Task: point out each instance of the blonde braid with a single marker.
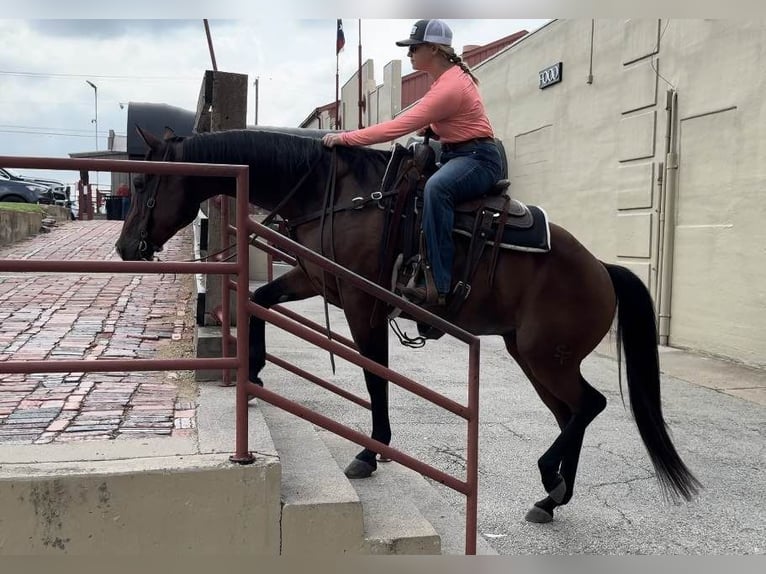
(449, 54)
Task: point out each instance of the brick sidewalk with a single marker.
(80, 316)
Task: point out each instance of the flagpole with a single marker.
(340, 41)
(361, 103)
(337, 101)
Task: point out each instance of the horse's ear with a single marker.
(169, 133)
(150, 139)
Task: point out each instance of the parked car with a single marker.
(24, 192)
(5, 173)
(43, 187)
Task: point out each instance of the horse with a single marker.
(551, 309)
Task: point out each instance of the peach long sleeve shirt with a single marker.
(452, 107)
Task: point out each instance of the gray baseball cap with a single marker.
(428, 31)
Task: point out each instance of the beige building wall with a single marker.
(676, 195)
(592, 151)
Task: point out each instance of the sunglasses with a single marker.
(413, 48)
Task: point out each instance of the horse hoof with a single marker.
(558, 492)
(538, 515)
(359, 469)
(382, 458)
(256, 381)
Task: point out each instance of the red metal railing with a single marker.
(316, 335)
(278, 316)
(240, 269)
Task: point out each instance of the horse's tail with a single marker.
(637, 335)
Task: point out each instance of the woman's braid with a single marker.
(449, 53)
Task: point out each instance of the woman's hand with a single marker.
(331, 140)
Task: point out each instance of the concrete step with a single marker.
(392, 522)
(325, 513)
(403, 512)
(321, 511)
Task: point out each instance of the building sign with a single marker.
(550, 75)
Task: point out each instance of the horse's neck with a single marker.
(265, 194)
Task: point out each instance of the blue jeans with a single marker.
(466, 173)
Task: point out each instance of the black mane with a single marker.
(271, 155)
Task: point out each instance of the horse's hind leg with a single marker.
(558, 465)
(292, 286)
(574, 404)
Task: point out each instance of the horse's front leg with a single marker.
(373, 344)
(292, 286)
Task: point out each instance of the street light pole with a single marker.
(95, 120)
(95, 94)
(255, 84)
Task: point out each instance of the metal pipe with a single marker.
(357, 437)
(660, 232)
(671, 174)
(361, 102)
(472, 457)
(106, 365)
(352, 356)
(318, 381)
(95, 93)
(255, 85)
(86, 266)
(360, 282)
(307, 322)
(316, 326)
(242, 455)
(590, 67)
(225, 295)
(89, 201)
(274, 253)
(210, 44)
(123, 166)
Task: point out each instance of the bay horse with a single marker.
(551, 309)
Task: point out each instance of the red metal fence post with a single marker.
(242, 455)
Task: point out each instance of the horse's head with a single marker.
(159, 207)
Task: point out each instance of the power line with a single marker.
(62, 134)
(12, 126)
(103, 77)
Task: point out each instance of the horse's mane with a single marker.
(272, 154)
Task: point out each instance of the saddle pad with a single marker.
(536, 238)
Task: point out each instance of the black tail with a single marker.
(637, 335)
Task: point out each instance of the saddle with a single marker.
(494, 220)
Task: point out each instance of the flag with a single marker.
(341, 39)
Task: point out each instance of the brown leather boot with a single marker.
(419, 295)
(416, 294)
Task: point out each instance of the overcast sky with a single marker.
(47, 108)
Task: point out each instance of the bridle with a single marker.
(144, 246)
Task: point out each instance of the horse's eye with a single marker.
(138, 183)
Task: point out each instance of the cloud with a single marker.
(105, 29)
(164, 61)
